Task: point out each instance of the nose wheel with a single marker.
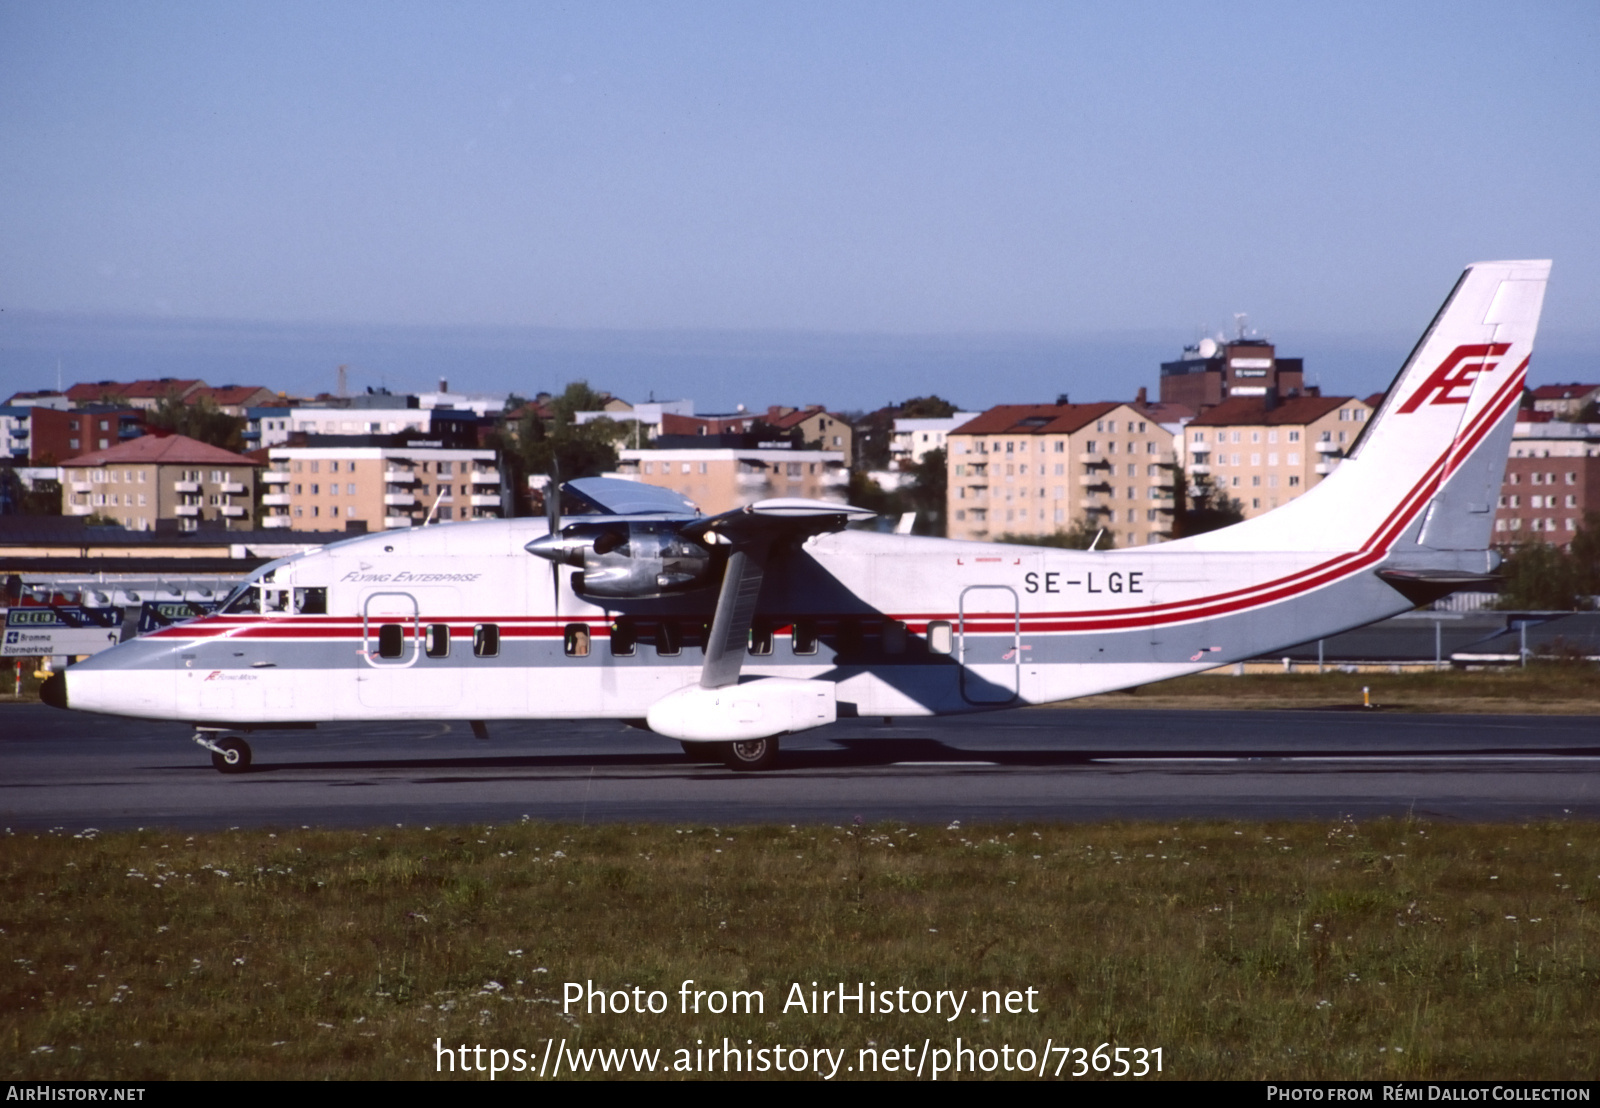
(229, 753)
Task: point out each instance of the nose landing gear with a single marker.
(229, 753)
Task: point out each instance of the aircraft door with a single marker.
(990, 648)
(400, 667)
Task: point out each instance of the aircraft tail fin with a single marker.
(1427, 468)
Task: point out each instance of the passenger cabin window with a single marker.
(436, 644)
(761, 640)
(486, 640)
(312, 601)
(940, 637)
(624, 639)
(577, 640)
(391, 640)
(669, 640)
(804, 638)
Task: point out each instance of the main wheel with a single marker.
(235, 756)
(754, 754)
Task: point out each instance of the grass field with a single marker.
(1541, 689)
(1241, 950)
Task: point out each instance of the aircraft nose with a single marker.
(54, 691)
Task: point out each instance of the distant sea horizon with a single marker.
(718, 370)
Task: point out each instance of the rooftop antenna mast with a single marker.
(1239, 319)
(344, 380)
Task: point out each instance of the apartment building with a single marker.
(1264, 452)
(143, 395)
(55, 435)
(915, 439)
(374, 487)
(1035, 469)
(1564, 401)
(156, 478)
(368, 414)
(815, 424)
(1552, 478)
(722, 479)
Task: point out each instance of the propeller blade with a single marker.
(552, 513)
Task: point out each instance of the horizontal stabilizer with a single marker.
(1424, 586)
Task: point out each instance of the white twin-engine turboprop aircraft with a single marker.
(728, 631)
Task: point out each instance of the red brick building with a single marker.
(56, 436)
(1552, 478)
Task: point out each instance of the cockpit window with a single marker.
(245, 598)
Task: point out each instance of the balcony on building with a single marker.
(275, 476)
(485, 500)
(186, 486)
(399, 476)
(276, 521)
(485, 477)
(396, 523)
(187, 511)
(235, 511)
(1327, 448)
(233, 487)
(1200, 469)
(82, 486)
(399, 499)
(276, 500)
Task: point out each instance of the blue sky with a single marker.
(844, 203)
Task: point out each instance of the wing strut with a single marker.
(751, 531)
(736, 610)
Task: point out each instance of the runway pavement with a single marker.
(68, 770)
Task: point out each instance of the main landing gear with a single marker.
(229, 753)
(753, 754)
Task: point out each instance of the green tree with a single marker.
(1201, 508)
(928, 493)
(1542, 577)
(42, 499)
(927, 407)
(533, 445)
(202, 421)
(1080, 536)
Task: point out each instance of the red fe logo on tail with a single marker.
(1456, 372)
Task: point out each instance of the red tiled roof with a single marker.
(131, 390)
(1036, 419)
(230, 394)
(167, 450)
(1563, 392)
(776, 417)
(1252, 411)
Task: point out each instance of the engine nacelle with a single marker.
(635, 560)
(758, 708)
